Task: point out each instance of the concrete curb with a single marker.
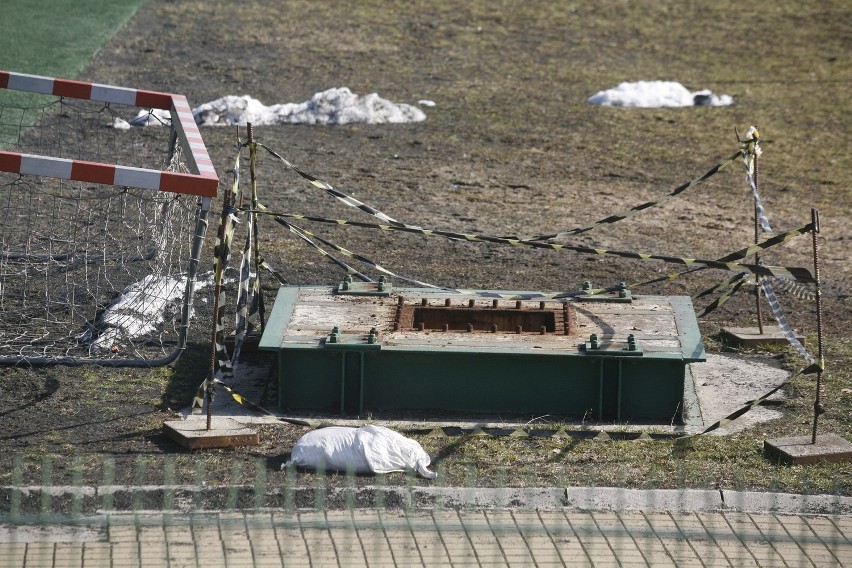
(189, 498)
(687, 500)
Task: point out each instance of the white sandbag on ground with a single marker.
(657, 94)
(369, 449)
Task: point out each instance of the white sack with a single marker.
(657, 94)
(369, 449)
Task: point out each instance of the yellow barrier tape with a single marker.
(795, 273)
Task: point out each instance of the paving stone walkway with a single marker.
(466, 537)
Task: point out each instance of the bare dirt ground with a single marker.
(510, 147)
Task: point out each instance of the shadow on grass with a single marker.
(188, 372)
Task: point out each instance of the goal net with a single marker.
(105, 195)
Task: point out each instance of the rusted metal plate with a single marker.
(429, 319)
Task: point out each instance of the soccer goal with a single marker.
(105, 197)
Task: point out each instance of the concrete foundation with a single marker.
(224, 433)
(751, 336)
(800, 450)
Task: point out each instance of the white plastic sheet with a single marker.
(369, 449)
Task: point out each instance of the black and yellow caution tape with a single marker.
(304, 236)
(811, 369)
(248, 293)
(243, 401)
(198, 399)
(751, 250)
(793, 288)
(723, 285)
(328, 188)
(637, 208)
(750, 149)
(775, 306)
(739, 280)
(795, 273)
(270, 269)
(221, 258)
(737, 255)
(352, 202)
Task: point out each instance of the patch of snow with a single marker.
(140, 309)
(333, 106)
(136, 312)
(657, 94)
(152, 117)
(426, 103)
(120, 124)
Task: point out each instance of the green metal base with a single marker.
(366, 365)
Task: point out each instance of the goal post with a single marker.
(200, 180)
(103, 222)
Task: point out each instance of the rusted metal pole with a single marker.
(254, 206)
(818, 408)
(757, 288)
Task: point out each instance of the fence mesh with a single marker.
(335, 519)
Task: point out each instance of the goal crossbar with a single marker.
(201, 179)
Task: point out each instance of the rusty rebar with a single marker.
(818, 408)
(757, 294)
(252, 145)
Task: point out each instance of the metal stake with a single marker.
(818, 408)
(757, 294)
(254, 201)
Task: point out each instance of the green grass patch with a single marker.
(58, 38)
(53, 38)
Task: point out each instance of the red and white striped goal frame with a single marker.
(203, 180)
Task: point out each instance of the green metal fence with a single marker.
(139, 515)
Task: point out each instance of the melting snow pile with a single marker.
(657, 94)
(334, 106)
(138, 311)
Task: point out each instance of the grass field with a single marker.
(58, 38)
